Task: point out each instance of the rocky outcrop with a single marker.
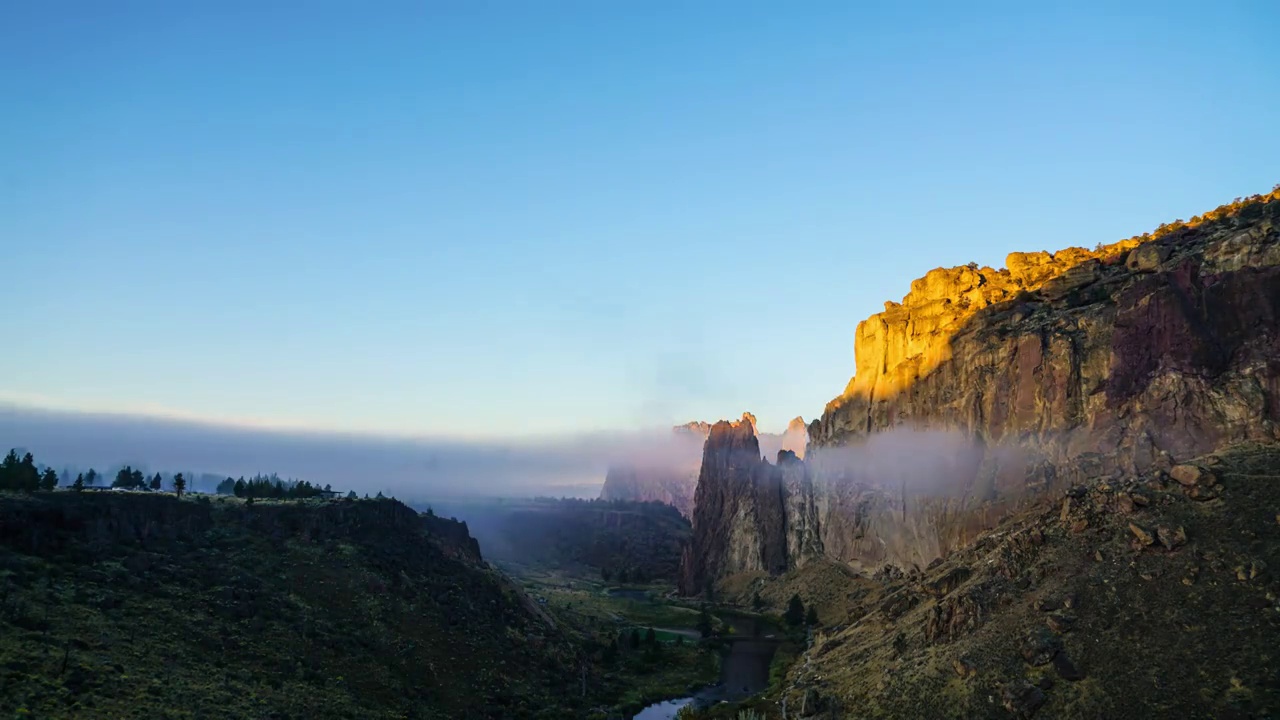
(984, 388)
(794, 439)
(670, 475)
(1059, 368)
(741, 510)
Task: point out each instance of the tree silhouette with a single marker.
(811, 617)
(155, 482)
(48, 479)
(704, 622)
(795, 611)
(179, 484)
(91, 477)
(78, 485)
(28, 476)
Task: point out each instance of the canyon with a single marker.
(986, 390)
(671, 475)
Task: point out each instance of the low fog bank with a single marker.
(923, 462)
(413, 470)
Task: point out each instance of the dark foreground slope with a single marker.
(133, 605)
(1136, 596)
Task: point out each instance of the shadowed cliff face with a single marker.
(741, 509)
(670, 473)
(986, 388)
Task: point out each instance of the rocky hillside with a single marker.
(1138, 596)
(1059, 368)
(129, 604)
(671, 476)
(984, 390)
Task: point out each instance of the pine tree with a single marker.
(78, 485)
(811, 617)
(9, 471)
(28, 475)
(91, 477)
(704, 622)
(156, 482)
(795, 611)
(351, 495)
(49, 479)
(137, 480)
(179, 484)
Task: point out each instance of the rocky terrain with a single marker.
(985, 391)
(1138, 595)
(1052, 490)
(133, 605)
(672, 477)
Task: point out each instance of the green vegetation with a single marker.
(148, 605)
(795, 611)
(20, 475)
(271, 486)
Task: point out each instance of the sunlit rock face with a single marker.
(1060, 368)
(984, 388)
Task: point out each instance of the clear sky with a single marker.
(492, 218)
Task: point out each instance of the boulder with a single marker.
(1147, 257)
(1190, 475)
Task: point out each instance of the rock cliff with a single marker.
(985, 388)
(671, 475)
(741, 509)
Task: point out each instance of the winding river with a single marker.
(744, 671)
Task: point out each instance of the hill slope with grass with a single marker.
(144, 605)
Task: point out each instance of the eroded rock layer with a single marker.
(985, 388)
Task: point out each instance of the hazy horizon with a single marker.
(411, 469)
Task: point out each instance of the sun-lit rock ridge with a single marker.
(985, 388)
(1058, 368)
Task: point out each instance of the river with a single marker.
(744, 671)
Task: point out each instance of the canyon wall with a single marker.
(670, 475)
(984, 389)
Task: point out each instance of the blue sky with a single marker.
(506, 218)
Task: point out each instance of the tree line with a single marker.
(273, 487)
(23, 475)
